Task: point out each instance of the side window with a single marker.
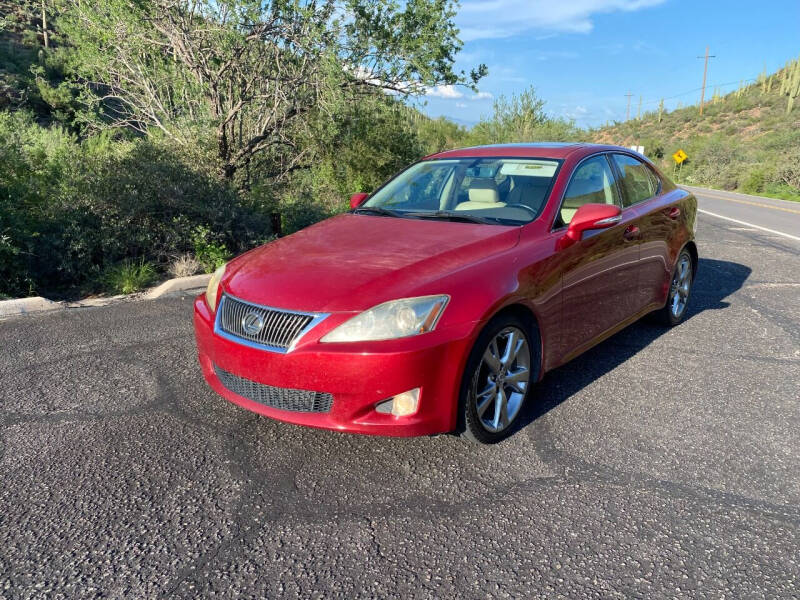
(638, 182)
(592, 183)
(657, 187)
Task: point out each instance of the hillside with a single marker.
(748, 140)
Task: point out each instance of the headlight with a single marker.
(391, 320)
(213, 287)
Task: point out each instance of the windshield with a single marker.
(506, 191)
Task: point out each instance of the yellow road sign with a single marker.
(680, 156)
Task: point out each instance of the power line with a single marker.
(692, 91)
(629, 95)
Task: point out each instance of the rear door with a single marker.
(600, 272)
(656, 219)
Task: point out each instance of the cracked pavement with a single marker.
(660, 463)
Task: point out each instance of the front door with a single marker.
(600, 272)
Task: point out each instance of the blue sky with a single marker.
(583, 56)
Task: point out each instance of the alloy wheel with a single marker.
(681, 284)
(502, 380)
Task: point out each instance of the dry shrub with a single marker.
(184, 266)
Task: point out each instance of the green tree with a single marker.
(522, 118)
(255, 72)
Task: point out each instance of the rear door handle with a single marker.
(673, 213)
(631, 233)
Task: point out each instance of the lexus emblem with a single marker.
(252, 323)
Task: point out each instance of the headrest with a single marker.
(483, 190)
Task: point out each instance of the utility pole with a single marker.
(639, 113)
(628, 114)
(705, 75)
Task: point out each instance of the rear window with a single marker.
(638, 182)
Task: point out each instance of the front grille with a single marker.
(280, 328)
(275, 397)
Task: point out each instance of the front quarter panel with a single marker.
(527, 275)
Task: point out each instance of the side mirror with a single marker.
(357, 199)
(589, 217)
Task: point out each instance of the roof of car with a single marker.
(556, 150)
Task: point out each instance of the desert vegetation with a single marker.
(747, 140)
(140, 140)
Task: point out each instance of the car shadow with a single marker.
(716, 280)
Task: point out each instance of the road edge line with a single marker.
(788, 235)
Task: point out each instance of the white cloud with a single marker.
(460, 105)
(444, 91)
(556, 55)
(367, 76)
(577, 113)
(486, 19)
(482, 96)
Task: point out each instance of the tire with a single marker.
(488, 409)
(680, 289)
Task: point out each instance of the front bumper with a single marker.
(359, 376)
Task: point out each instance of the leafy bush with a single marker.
(754, 182)
(128, 277)
(211, 255)
(69, 209)
(715, 164)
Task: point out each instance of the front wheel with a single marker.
(500, 371)
(680, 289)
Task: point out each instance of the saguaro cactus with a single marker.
(793, 84)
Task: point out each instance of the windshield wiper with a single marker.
(376, 210)
(439, 214)
(452, 216)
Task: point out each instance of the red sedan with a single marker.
(438, 302)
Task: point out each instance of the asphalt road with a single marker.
(780, 217)
(659, 464)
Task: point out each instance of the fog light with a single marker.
(401, 405)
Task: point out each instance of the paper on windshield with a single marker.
(530, 168)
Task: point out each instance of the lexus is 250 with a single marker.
(437, 303)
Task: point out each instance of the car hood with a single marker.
(353, 262)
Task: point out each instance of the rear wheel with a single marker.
(500, 371)
(680, 289)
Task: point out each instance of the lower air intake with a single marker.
(275, 397)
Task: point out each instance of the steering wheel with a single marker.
(535, 213)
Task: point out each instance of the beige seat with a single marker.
(595, 189)
(529, 191)
(483, 195)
